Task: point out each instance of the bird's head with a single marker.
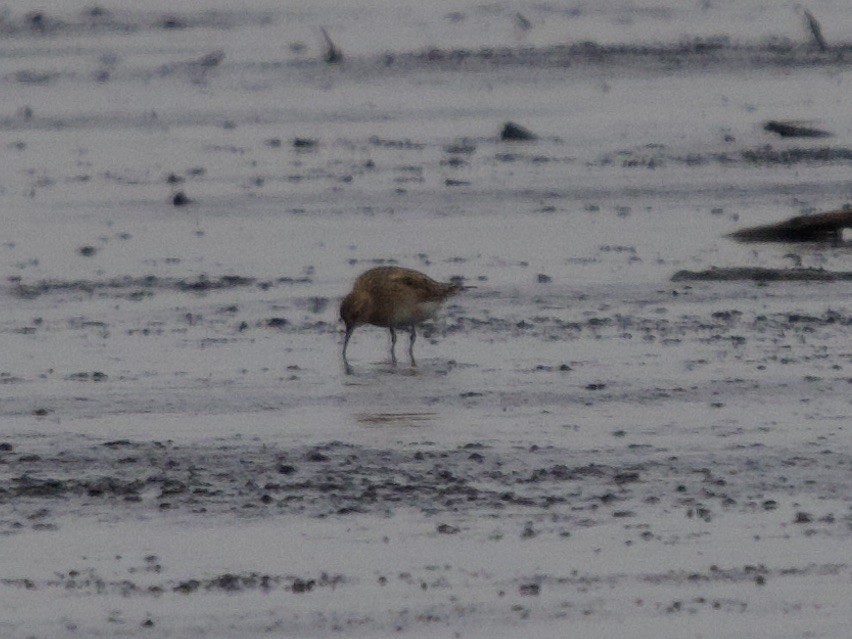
(354, 309)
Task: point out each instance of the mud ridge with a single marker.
(760, 274)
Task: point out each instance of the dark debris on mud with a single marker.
(90, 582)
(658, 156)
(721, 325)
(335, 478)
(338, 479)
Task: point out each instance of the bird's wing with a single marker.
(421, 285)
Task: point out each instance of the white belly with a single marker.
(423, 311)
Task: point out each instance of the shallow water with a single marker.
(584, 440)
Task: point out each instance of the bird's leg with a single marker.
(393, 344)
(411, 345)
(349, 330)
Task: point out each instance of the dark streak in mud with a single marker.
(99, 20)
(136, 286)
(658, 156)
(788, 157)
(92, 583)
(694, 54)
(758, 274)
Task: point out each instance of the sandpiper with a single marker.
(393, 297)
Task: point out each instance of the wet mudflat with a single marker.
(586, 442)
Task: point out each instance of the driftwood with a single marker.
(332, 55)
(756, 274)
(816, 31)
(794, 130)
(822, 227)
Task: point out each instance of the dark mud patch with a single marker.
(338, 479)
(334, 478)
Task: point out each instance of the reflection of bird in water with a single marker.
(393, 297)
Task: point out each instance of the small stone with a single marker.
(180, 199)
(171, 22)
(516, 133)
(803, 518)
(276, 322)
(303, 585)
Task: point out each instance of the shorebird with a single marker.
(393, 297)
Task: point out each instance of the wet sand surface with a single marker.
(586, 445)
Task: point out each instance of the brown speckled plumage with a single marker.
(393, 297)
